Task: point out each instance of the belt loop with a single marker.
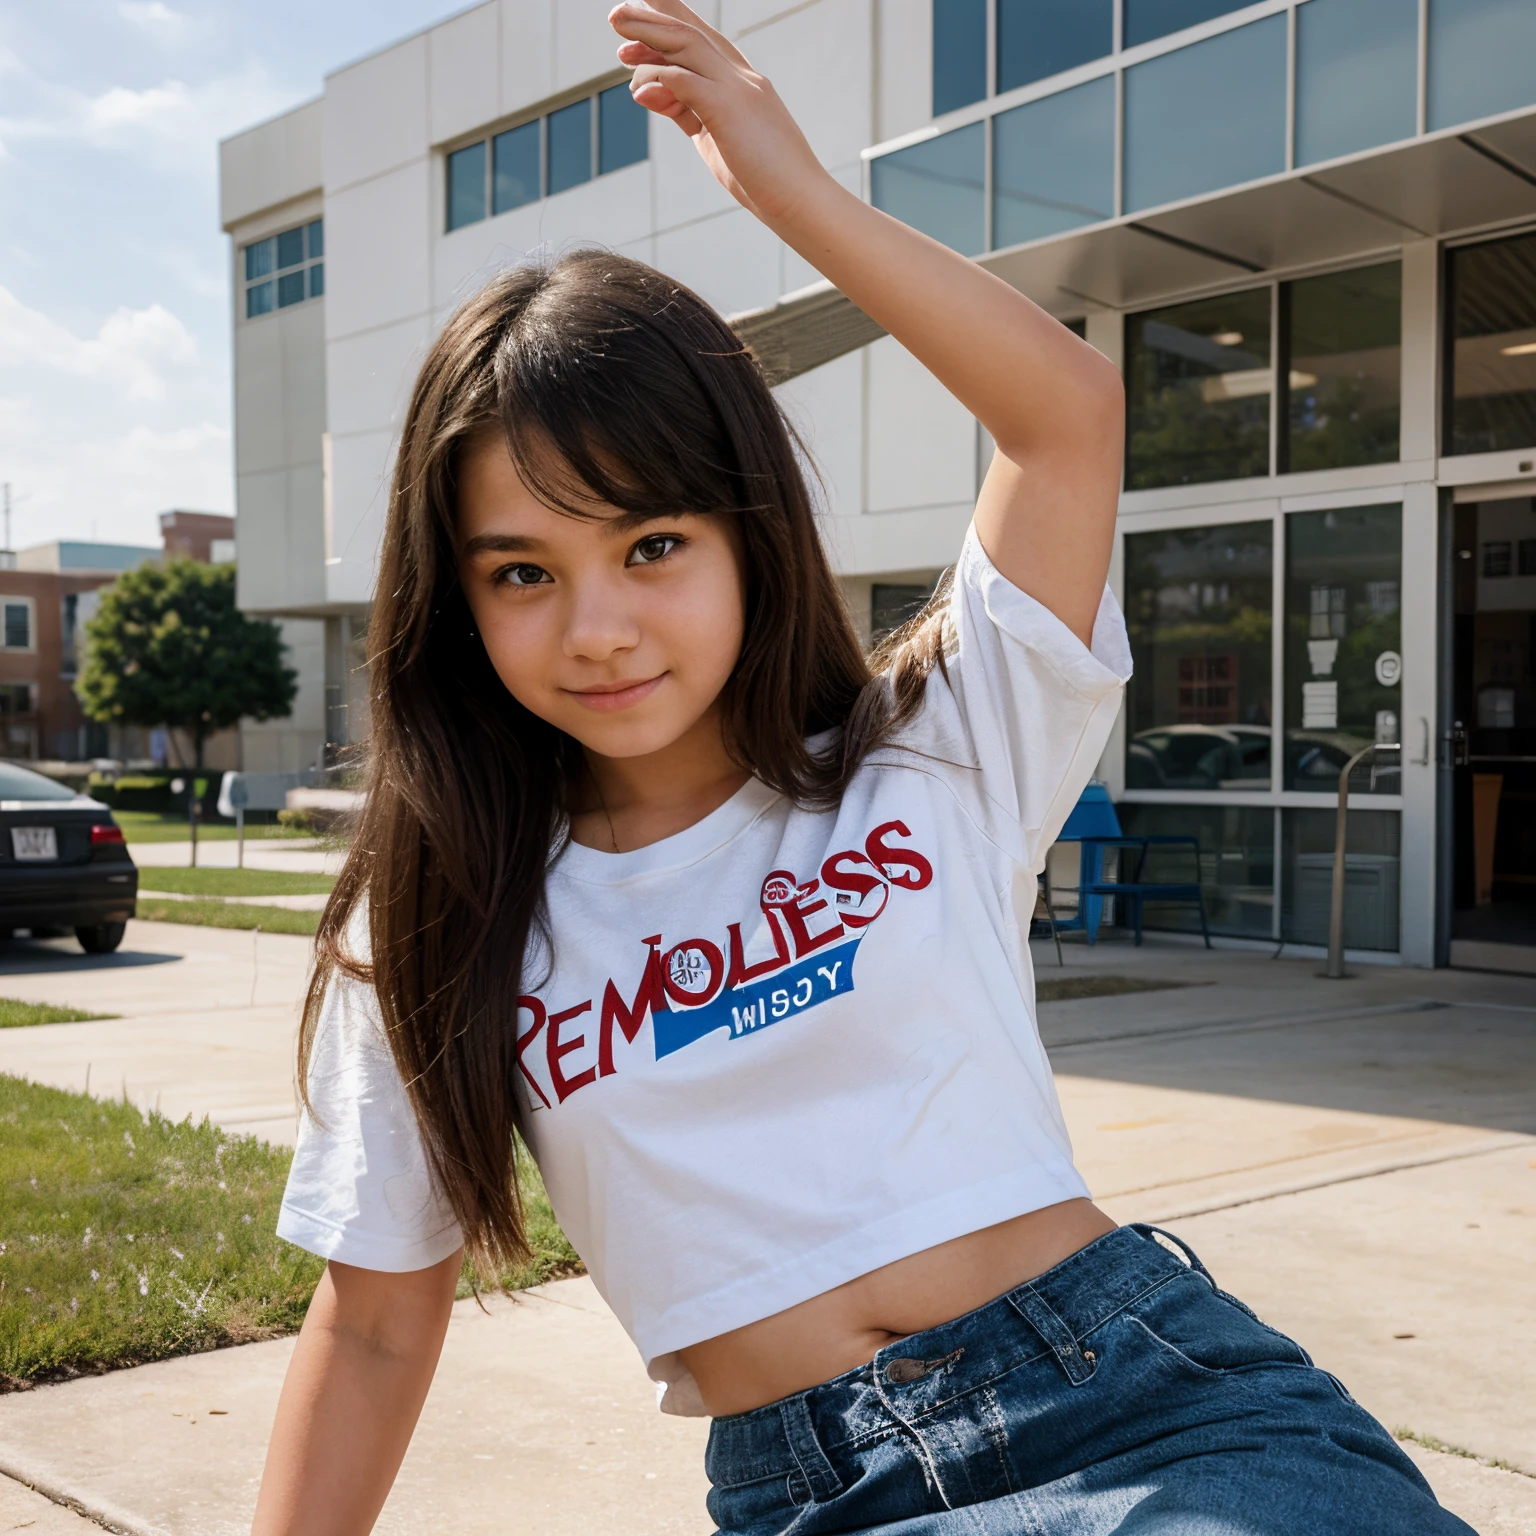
(806, 1448)
(1058, 1338)
(1153, 1233)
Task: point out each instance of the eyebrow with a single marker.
(523, 544)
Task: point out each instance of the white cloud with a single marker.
(129, 350)
(149, 13)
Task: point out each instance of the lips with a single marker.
(607, 698)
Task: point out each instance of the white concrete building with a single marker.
(1303, 227)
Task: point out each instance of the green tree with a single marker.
(169, 647)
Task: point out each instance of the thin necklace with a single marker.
(612, 835)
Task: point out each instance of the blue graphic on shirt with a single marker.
(756, 1005)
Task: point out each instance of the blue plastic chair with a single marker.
(1095, 825)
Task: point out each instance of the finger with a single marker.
(692, 92)
(635, 54)
(655, 97)
(683, 13)
(680, 42)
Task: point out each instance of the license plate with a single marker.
(34, 843)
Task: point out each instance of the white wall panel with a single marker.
(744, 16)
(360, 469)
(527, 52)
(376, 114)
(465, 73)
(376, 237)
(272, 163)
(371, 375)
(826, 408)
(730, 261)
(261, 520)
(585, 45)
(684, 188)
(819, 61)
(608, 211)
(906, 67)
(922, 441)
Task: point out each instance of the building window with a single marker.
(1198, 379)
(939, 187)
(1343, 645)
(1053, 164)
(1480, 59)
(1237, 864)
(284, 269)
(1040, 38)
(1357, 75)
(1207, 116)
(1372, 862)
(1491, 372)
(959, 53)
(599, 134)
(1198, 607)
(15, 699)
(892, 604)
(18, 625)
(1148, 19)
(1341, 340)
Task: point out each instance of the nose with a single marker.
(599, 625)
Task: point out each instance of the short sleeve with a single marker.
(360, 1190)
(1022, 702)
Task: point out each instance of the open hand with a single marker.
(687, 71)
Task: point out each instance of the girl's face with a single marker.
(620, 631)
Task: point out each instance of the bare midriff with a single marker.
(847, 1327)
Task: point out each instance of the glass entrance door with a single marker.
(1493, 735)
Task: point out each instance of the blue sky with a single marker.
(114, 306)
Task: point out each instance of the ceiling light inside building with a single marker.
(1522, 349)
(1228, 338)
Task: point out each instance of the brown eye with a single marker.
(523, 575)
(656, 547)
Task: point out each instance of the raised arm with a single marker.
(1054, 406)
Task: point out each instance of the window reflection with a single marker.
(1372, 860)
(1198, 380)
(1493, 346)
(1146, 19)
(1207, 116)
(515, 167)
(938, 186)
(1040, 38)
(568, 147)
(1343, 646)
(1480, 58)
(959, 53)
(466, 186)
(1053, 164)
(1198, 605)
(1343, 339)
(1357, 75)
(1237, 865)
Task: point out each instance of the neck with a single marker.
(633, 801)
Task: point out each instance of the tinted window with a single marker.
(1198, 607)
(1343, 339)
(1053, 164)
(515, 162)
(621, 129)
(1343, 644)
(290, 289)
(259, 258)
(1482, 58)
(1198, 378)
(1037, 38)
(22, 784)
(1146, 19)
(1493, 347)
(937, 187)
(1237, 864)
(317, 239)
(317, 280)
(259, 299)
(959, 53)
(466, 186)
(1208, 116)
(1371, 874)
(18, 627)
(290, 247)
(1357, 75)
(569, 146)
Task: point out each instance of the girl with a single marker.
(654, 871)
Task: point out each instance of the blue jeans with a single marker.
(1120, 1392)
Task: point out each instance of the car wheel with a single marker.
(101, 938)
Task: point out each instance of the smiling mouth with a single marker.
(609, 697)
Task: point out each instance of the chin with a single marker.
(636, 739)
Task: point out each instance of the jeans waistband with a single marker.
(1051, 1316)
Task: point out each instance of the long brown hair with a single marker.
(650, 403)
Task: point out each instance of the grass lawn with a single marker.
(126, 1238)
(1061, 989)
(233, 882)
(228, 914)
(152, 827)
(15, 1014)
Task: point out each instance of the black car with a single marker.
(63, 862)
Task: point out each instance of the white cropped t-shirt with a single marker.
(781, 1048)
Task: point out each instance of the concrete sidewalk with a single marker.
(1355, 1159)
(298, 855)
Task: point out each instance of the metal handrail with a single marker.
(1336, 915)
